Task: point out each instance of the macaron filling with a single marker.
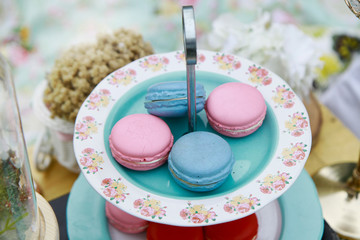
(172, 99)
(189, 183)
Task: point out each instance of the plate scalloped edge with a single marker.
(289, 158)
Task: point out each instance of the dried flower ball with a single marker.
(79, 69)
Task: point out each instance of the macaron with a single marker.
(235, 109)
(157, 231)
(169, 99)
(123, 221)
(242, 229)
(141, 141)
(200, 161)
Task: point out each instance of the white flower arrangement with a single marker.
(282, 48)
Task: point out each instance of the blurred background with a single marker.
(34, 33)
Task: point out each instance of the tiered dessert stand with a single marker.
(267, 178)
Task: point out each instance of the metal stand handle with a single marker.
(189, 35)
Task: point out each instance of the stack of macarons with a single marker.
(198, 161)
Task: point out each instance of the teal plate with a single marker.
(267, 162)
(300, 210)
(250, 160)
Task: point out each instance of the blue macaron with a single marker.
(200, 161)
(169, 99)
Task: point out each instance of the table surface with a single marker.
(335, 144)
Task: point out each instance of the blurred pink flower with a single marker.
(88, 119)
(265, 189)
(153, 60)
(297, 133)
(228, 208)
(81, 127)
(302, 123)
(86, 161)
(106, 181)
(184, 213)
(132, 72)
(211, 215)
(279, 185)
(110, 192)
(243, 207)
(288, 95)
(288, 104)
(147, 211)
(161, 213)
(138, 203)
(88, 151)
(198, 218)
(188, 2)
(299, 155)
(94, 97)
(262, 72)
(289, 162)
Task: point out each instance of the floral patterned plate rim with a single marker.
(286, 161)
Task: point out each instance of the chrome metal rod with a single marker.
(189, 35)
(191, 92)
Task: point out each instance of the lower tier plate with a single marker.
(298, 212)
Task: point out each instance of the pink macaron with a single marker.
(235, 109)
(141, 141)
(123, 221)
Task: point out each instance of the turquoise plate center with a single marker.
(252, 153)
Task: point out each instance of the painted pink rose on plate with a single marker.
(274, 183)
(226, 62)
(184, 213)
(85, 128)
(149, 207)
(91, 160)
(297, 124)
(154, 63)
(114, 189)
(241, 204)
(122, 77)
(284, 97)
(293, 154)
(197, 214)
(259, 75)
(98, 99)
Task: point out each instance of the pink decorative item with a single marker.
(141, 141)
(123, 221)
(235, 109)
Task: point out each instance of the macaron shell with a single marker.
(169, 99)
(123, 221)
(202, 159)
(235, 109)
(140, 138)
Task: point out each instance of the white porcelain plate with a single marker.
(267, 162)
